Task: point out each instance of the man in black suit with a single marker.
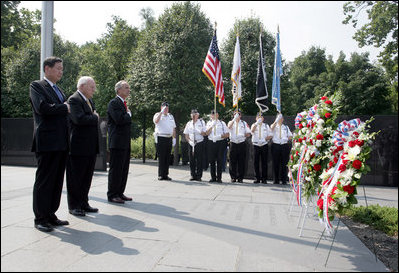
(119, 122)
(50, 144)
(84, 147)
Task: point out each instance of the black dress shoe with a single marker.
(46, 227)
(116, 200)
(284, 183)
(212, 180)
(192, 178)
(59, 222)
(167, 178)
(219, 180)
(125, 198)
(198, 179)
(89, 209)
(77, 212)
(257, 182)
(239, 180)
(275, 182)
(233, 180)
(264, 182)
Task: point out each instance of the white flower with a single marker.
(318, 143)
(353, 152)
(358, 175)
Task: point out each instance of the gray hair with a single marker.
(83, 80)
(118, 85)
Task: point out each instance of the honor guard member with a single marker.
(261, 134)
(194, 133)
(217, 132)
(165, 130)
(239, 131)
(280, 149)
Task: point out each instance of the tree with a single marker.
(381, 31)
(166, 66)
(147, 15)
(107, 61)
(25, 67)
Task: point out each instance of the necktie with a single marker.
(58, 92)
(88, 103)
(124, 102)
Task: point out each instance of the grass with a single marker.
(384, 219)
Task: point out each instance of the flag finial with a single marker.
(278, 29)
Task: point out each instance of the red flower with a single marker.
(349, 189)
(327, 115)
(356, 133)
(357, 164)
(328, 102)
(320, 203)
(323, 98)
(311, 141)
(300, 126)
(340, 148)
(312, 155)
(352, 144)
(320, 137)
(292, 158)
(299, 140)
(330, 164)
(359, 142)
(335, 160)
(296, 153)
(317, 167)
(333, 190)
(342, 168)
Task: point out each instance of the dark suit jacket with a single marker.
(50, 128)
(84, 127)
(119, 123)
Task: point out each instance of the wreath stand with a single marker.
(334, 233)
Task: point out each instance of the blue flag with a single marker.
(277, 72)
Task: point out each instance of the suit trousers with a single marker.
(260, 158)
(280, 155)
(79, 174)
(164, 147)
(215, 156)
(196, 159)
(238, 154)
(48, 185)
(119, 162)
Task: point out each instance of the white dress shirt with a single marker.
(194, 130)
(165, 125)
(238, 131)
(217, 131)
(285, 134)
(261, 133)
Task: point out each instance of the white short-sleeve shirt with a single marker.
(217, 131)
(165, 125)
(261, 133)
(238, 131)
(194, 130)
(285, 133)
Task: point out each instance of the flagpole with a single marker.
(215, 85)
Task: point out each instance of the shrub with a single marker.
(137, 147)
(381, 218)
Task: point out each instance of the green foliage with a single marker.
(107, 60)
(24, 67)
(137, 147)
(380, 31)
(166, 66)
(381, 218)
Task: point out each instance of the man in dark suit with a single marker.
(50, 144)
(119, 122)
(84, 147)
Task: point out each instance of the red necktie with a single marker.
(124, 102)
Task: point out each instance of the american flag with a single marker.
(213, 69)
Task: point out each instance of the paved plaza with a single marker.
(178, 225)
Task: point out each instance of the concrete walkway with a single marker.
(177, 225)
